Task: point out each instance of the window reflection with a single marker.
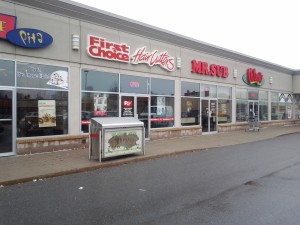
(7, 73)
(30, 120)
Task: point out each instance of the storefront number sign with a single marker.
(252, 78)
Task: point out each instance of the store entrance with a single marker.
(138, 107)
(209, 116)
(253, 109)
(6, 122)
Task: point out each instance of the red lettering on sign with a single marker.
(134, 84)
(98, 47)
(127, 103)
(253, 77)
(212, 70)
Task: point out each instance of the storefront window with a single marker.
(162, 87)
(297, 107)
(224, 111)
(190, 111)
(7, 73)
(41, 112)
(208, 91)
(241, 94)
(253, 94)
(241, 111)
(274, 111)
(97, 105)
(282, 106)
(263, 96)
(263, 105)
(134, 84)
(162, 111)
(99, 81)
(190, 89)
(263, 111)
(31, 75)
(224, 92)
(224, 104)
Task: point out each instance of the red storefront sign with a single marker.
(210, 70)
(7, 23)
(98, 47)
(162, 59)
(253, 78)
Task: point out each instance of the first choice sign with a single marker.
(210, 70)
(98, 47)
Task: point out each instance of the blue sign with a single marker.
(29, 38)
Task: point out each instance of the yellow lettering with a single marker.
(33, 38)
(39, 37)
(2, 27)
(23, 36)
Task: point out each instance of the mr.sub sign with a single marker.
(23, 37)
(204, 68)
(253, 78)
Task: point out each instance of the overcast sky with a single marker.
(264, 29)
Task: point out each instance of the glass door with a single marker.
(209, 115)
(6, 122)
(136, 106)
(253, 109)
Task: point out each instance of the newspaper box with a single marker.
(114, 136)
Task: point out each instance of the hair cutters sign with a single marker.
(162, 59)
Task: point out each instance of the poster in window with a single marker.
(100, 105)
(161, 106)
(127, 109)
(41, 76)
(59, 79)
(47, 113)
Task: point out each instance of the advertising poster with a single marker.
(59, 79)
(127, 109)
(161, 106)
(47, 113)
(42, 76)
(122, 142)
(100, 105)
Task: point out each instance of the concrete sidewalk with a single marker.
(19, 169)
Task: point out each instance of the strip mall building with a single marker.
(62, 63)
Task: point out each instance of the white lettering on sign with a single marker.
(153, 58)
(98, 47)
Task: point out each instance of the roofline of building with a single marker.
(96, 16)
